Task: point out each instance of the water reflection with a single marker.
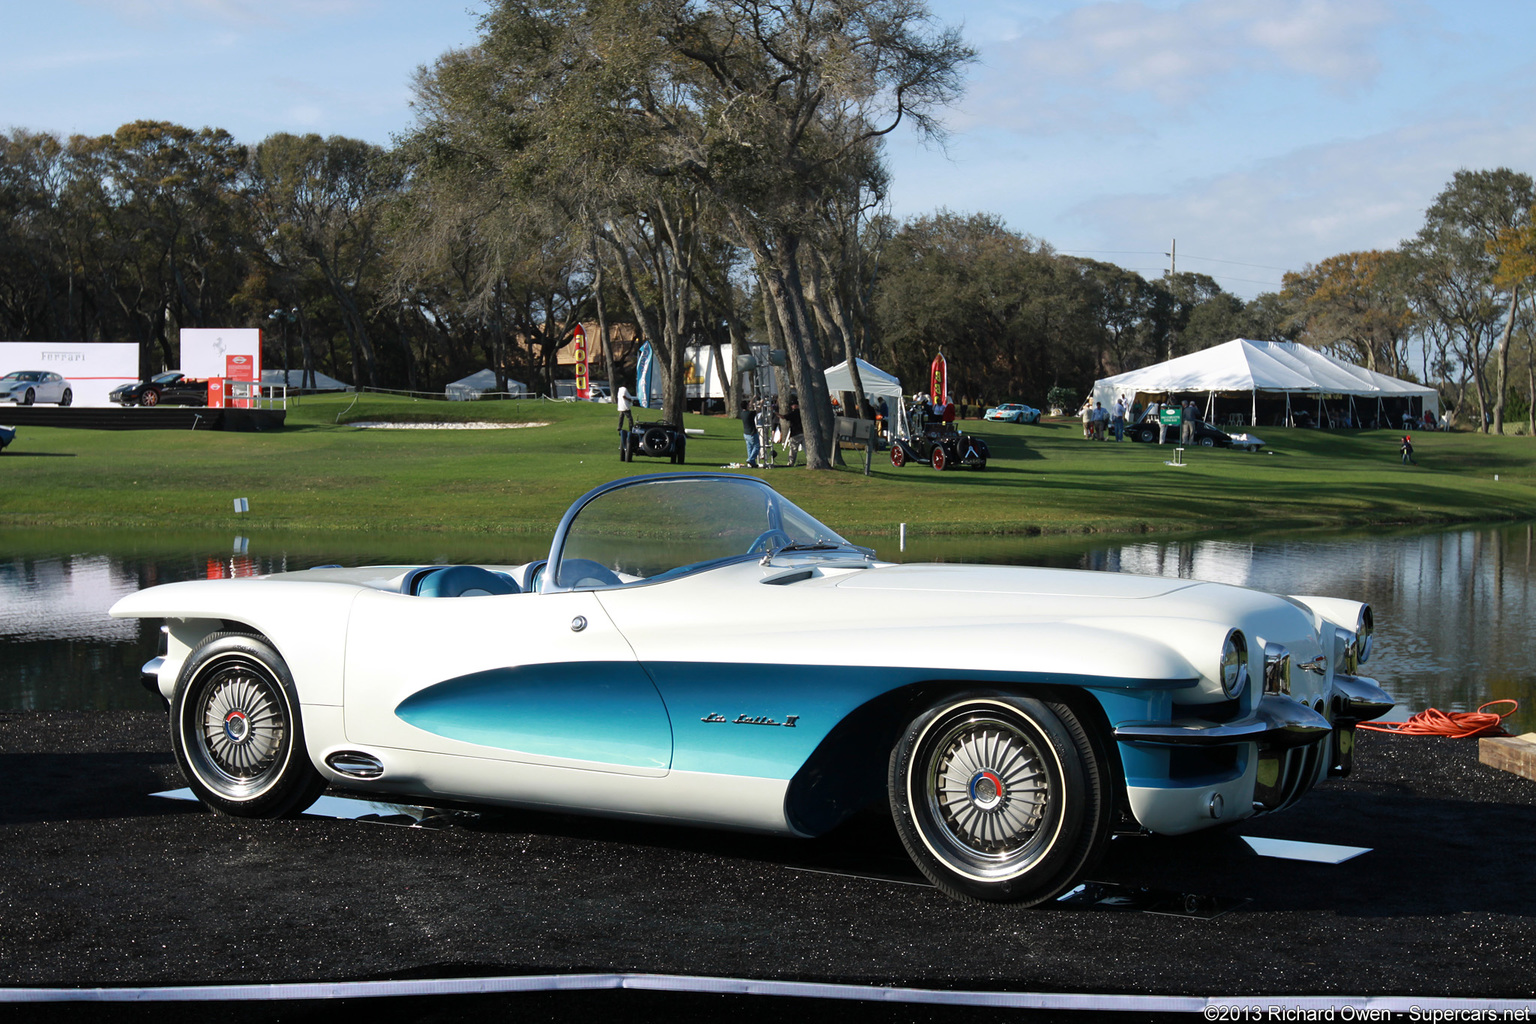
(1453, 608)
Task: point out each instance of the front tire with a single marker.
(998, 797)
(898, 455)
(236, 731)
(939, 458)
(29, 397)
(150, 397)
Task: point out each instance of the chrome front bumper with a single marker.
(1289, 736)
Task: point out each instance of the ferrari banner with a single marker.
(579, 350)
(939, 381)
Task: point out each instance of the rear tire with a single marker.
(1000, 797)
(69, 396)
(236, 731)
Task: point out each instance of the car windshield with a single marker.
(675, 524)
(166, 378)
(27, 375)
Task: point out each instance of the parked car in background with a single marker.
(1206, 436)
(7, 435)
(173, 388)
(1013, 412)
(697, 649)
(27, 387)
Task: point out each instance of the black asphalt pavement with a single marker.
(102, 884)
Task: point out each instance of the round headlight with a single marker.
(1234, 663)
(1363, 629)
(1277, 669)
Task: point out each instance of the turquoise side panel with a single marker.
(607, 712)
(765, 720)
(761, 721)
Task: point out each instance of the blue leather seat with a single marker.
(463, 581)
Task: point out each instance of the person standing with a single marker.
(1119, 419)
(1407, 450)
(626, 409)
(749, 431)
(794, 429)
(1187, 428)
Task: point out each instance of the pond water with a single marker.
(1453, 608)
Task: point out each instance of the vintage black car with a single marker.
(940, 445)
(173, 388)
(655, 440)
(1206, 436)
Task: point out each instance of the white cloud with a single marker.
(1106, 64)
(1306, 205)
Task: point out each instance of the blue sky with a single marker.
(1261, 134)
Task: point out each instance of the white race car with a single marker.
(698, 649)
(1013, 412)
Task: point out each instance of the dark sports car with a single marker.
(173, 388)
(655, 440)
(1206, 436)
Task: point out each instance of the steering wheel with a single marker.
(769, 540)
(583, 572)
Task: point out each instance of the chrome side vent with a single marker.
(355, 764)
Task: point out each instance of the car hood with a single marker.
(1046, 584)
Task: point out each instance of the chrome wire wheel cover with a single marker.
(237, 731)
(987, 794)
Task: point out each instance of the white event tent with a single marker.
(1273, 369)
(876, 381)
(482, 382)
(295, 380)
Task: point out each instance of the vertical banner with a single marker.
(938, 390)
(579, 350)
(645, 372)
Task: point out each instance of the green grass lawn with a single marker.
(322, 473)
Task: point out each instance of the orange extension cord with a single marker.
(1461, 724)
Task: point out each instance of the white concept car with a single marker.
(697, 649)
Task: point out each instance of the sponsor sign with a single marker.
(93, 369)
(205, 351)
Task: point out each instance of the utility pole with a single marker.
(1173, 269)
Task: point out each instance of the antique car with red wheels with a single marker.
(941, 446)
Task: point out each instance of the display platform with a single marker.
(136, 418)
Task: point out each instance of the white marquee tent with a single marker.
(1271, 368)
(479, 383)
(295, 380)
(876, 381)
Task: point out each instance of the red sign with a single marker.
(238, 367)
(939, 384)
(215, 392)
(583, 384)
